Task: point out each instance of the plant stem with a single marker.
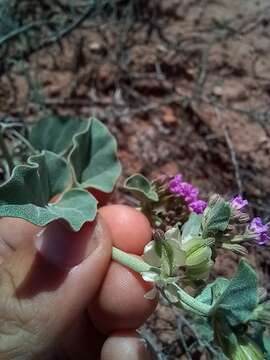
(25, 141)
(5, 152)
(129, 260)
(186, 301)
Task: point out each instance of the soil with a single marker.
(184, 87)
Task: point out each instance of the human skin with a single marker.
(61, 295)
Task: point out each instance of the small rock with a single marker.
(168, 115)
(231, 91)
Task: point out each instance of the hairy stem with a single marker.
(129, 260)
(186, 301)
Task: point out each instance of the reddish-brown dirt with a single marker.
(185, 88)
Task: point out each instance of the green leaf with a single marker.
(141, 187)
(92, 149)
(233, 302)
(44, 176)
(76, 206)
(239, 300)
(213, 291)
(152, 253)
(216, 217)
(173, 234)
(55, 132)
(28, 193)
(192, 227)
(94, 157)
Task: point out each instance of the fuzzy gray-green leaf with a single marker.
(55, 132)
(28, 193)
(141, 187)
(192, 227)
(216, 217)
(94, 157)
(76, 206)
(213, 291)
(239, 300)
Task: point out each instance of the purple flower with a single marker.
(238, 202)
(257, 225)
(260, 229)
(197, 206)
(188, 192)
(264, 238)
(175, 183)
(183, 189)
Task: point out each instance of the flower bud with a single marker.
(213, 199)
(158, 235)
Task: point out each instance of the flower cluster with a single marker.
(188, 192)
(256, 226)
(239, 206)
(260, 230)
(182, 254)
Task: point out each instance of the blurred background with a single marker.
(184, 85)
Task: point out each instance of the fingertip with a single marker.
(130, 229)
(121, 303)
(125, 345)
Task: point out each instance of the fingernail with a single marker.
(125, 347)
(65, 248)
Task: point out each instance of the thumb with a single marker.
(82, 256)
(52, 277)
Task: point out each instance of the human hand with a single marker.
(61, 296)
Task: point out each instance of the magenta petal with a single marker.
(238, 202)
(197, 206)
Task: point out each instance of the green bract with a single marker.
(198, 259)
(192, 227)
(216, 217)
(90, 162)
(198, 252)
(168, 254)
